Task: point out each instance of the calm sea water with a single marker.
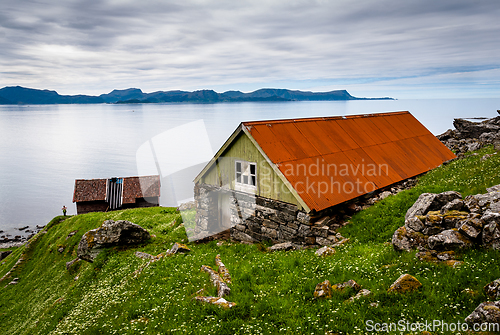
(43, 149)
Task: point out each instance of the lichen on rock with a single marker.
(323, 290)
(109, 234)
(405, 283)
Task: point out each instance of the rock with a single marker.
(468, 129)
(487, 312)
(70, 263)
(432, 230)
(433, 219)
(72, 234)
(333, 238)
(61, 249)
(449, 239)
(384, 195)
(363, 293)
(143, 255)
(325, 251)
(421, 206)
(474, 146)
(414, 223)
(241, 236)
(216, 301)
(4, 254)
(323, 241)
(222, 288)
(487, 137)
(111, 233)
(481, 203)
(492, 290)
(495, 188)
(405, 283)
(178, 248)
(453, 219)
(323, 290)
(454, 205)
(446, 135)
(282, 247)
(445, 197)
(491, 231)
(446, 255)
(303, 218)
(223, 271)
(406, 239)
(472, 227)
(350, 283)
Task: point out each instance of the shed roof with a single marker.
(95, 189)
(329, 160)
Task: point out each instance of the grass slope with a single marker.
(273, 291)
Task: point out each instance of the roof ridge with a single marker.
(323, 118)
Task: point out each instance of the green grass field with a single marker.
(273, 291)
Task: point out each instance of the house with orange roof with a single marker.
(279, 180)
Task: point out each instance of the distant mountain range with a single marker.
(14, 95)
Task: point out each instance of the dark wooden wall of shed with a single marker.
(91, 206)
(143, 202)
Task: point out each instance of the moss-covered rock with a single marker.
(323, 290)
(110, 233)
(405, 283)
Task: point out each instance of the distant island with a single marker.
(17, 95)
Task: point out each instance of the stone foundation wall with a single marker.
(253, 218)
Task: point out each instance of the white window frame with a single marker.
(244, 179)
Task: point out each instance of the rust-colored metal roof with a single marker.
(133, 188)
(329, 160)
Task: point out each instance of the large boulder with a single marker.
(450, 239)
(111, 233)
(487, 312)
(446, 222)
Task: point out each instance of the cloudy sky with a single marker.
(403, 49)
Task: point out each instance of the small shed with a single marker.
(100, 195)
(273, 179)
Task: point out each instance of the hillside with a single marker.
(273, 292)
(22, 95)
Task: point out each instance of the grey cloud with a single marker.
(196, 43)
